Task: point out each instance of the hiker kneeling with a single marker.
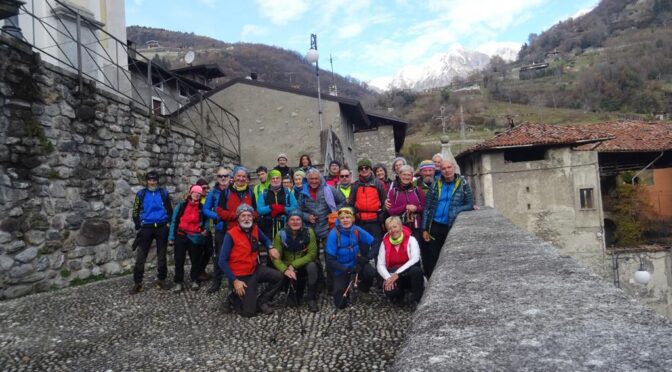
(297, 247)
(346, 259)
(239, 260)
(399, 263)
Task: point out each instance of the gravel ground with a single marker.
(100, 327)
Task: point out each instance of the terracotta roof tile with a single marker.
(625, 136)
(530, 134)
(632, 136)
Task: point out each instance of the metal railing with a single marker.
(67, 37)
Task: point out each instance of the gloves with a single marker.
(277, 209)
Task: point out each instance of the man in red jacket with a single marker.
(239, 260)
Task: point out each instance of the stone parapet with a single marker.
(501, 299)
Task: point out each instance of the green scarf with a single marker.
(398, 240)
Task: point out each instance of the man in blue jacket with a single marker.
(151, 215)
(223, 175)
(449, 195)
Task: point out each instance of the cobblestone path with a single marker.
(99, 327)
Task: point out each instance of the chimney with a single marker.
(253, 75)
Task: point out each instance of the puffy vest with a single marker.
(367, 202)
(295, 244)
(245, 251)
(189, 217)
(270, 197)
(394, 258)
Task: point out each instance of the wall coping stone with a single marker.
(502, 299)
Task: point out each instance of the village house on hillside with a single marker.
(559, 181)
(277, 119)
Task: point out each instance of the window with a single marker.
(521, 154)
(586, 198)
(157, 106)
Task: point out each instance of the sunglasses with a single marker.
(364, 167)
(344, 176)
(223, 175)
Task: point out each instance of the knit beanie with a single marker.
(196, 189)
(426, 164)
(364, 163)
(243, 208)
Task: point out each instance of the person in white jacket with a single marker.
(399, 263)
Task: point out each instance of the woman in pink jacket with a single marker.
(407, 201)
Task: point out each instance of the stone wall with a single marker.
(70, 164)
(501, 299)
(377, 145)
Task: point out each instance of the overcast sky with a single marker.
(368, 39)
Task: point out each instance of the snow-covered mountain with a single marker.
(441, 69)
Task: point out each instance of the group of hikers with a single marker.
(299, 230)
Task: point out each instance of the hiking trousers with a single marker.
(147, 234)
(248, 304)
(184, 245)
(411, 279)
(366, 275)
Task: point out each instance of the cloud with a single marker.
(357, 24)
(583, 11)
(348, 31)
(346, 8)
(251, 31)
(469, 15)
(280, 12)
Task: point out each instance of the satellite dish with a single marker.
(189, 57)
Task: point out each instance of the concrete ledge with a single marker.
(501, 299)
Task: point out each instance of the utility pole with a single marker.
(333, 89)
(462, 124)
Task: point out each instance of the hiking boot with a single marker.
(178, 287)
(204, 277)
(214, 288)
(195, 286)
(161, 284)
(265, 309)
(137, 288)
(312, 306)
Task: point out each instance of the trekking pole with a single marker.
(296, 299)
(340, 303)
(355, 285)
(274, 336)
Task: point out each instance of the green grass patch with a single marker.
(94, 278)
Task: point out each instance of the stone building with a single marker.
(384, 141)
(71, 161)
(276, 119)
(167, 91)
(51, 27)
(555, 182)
